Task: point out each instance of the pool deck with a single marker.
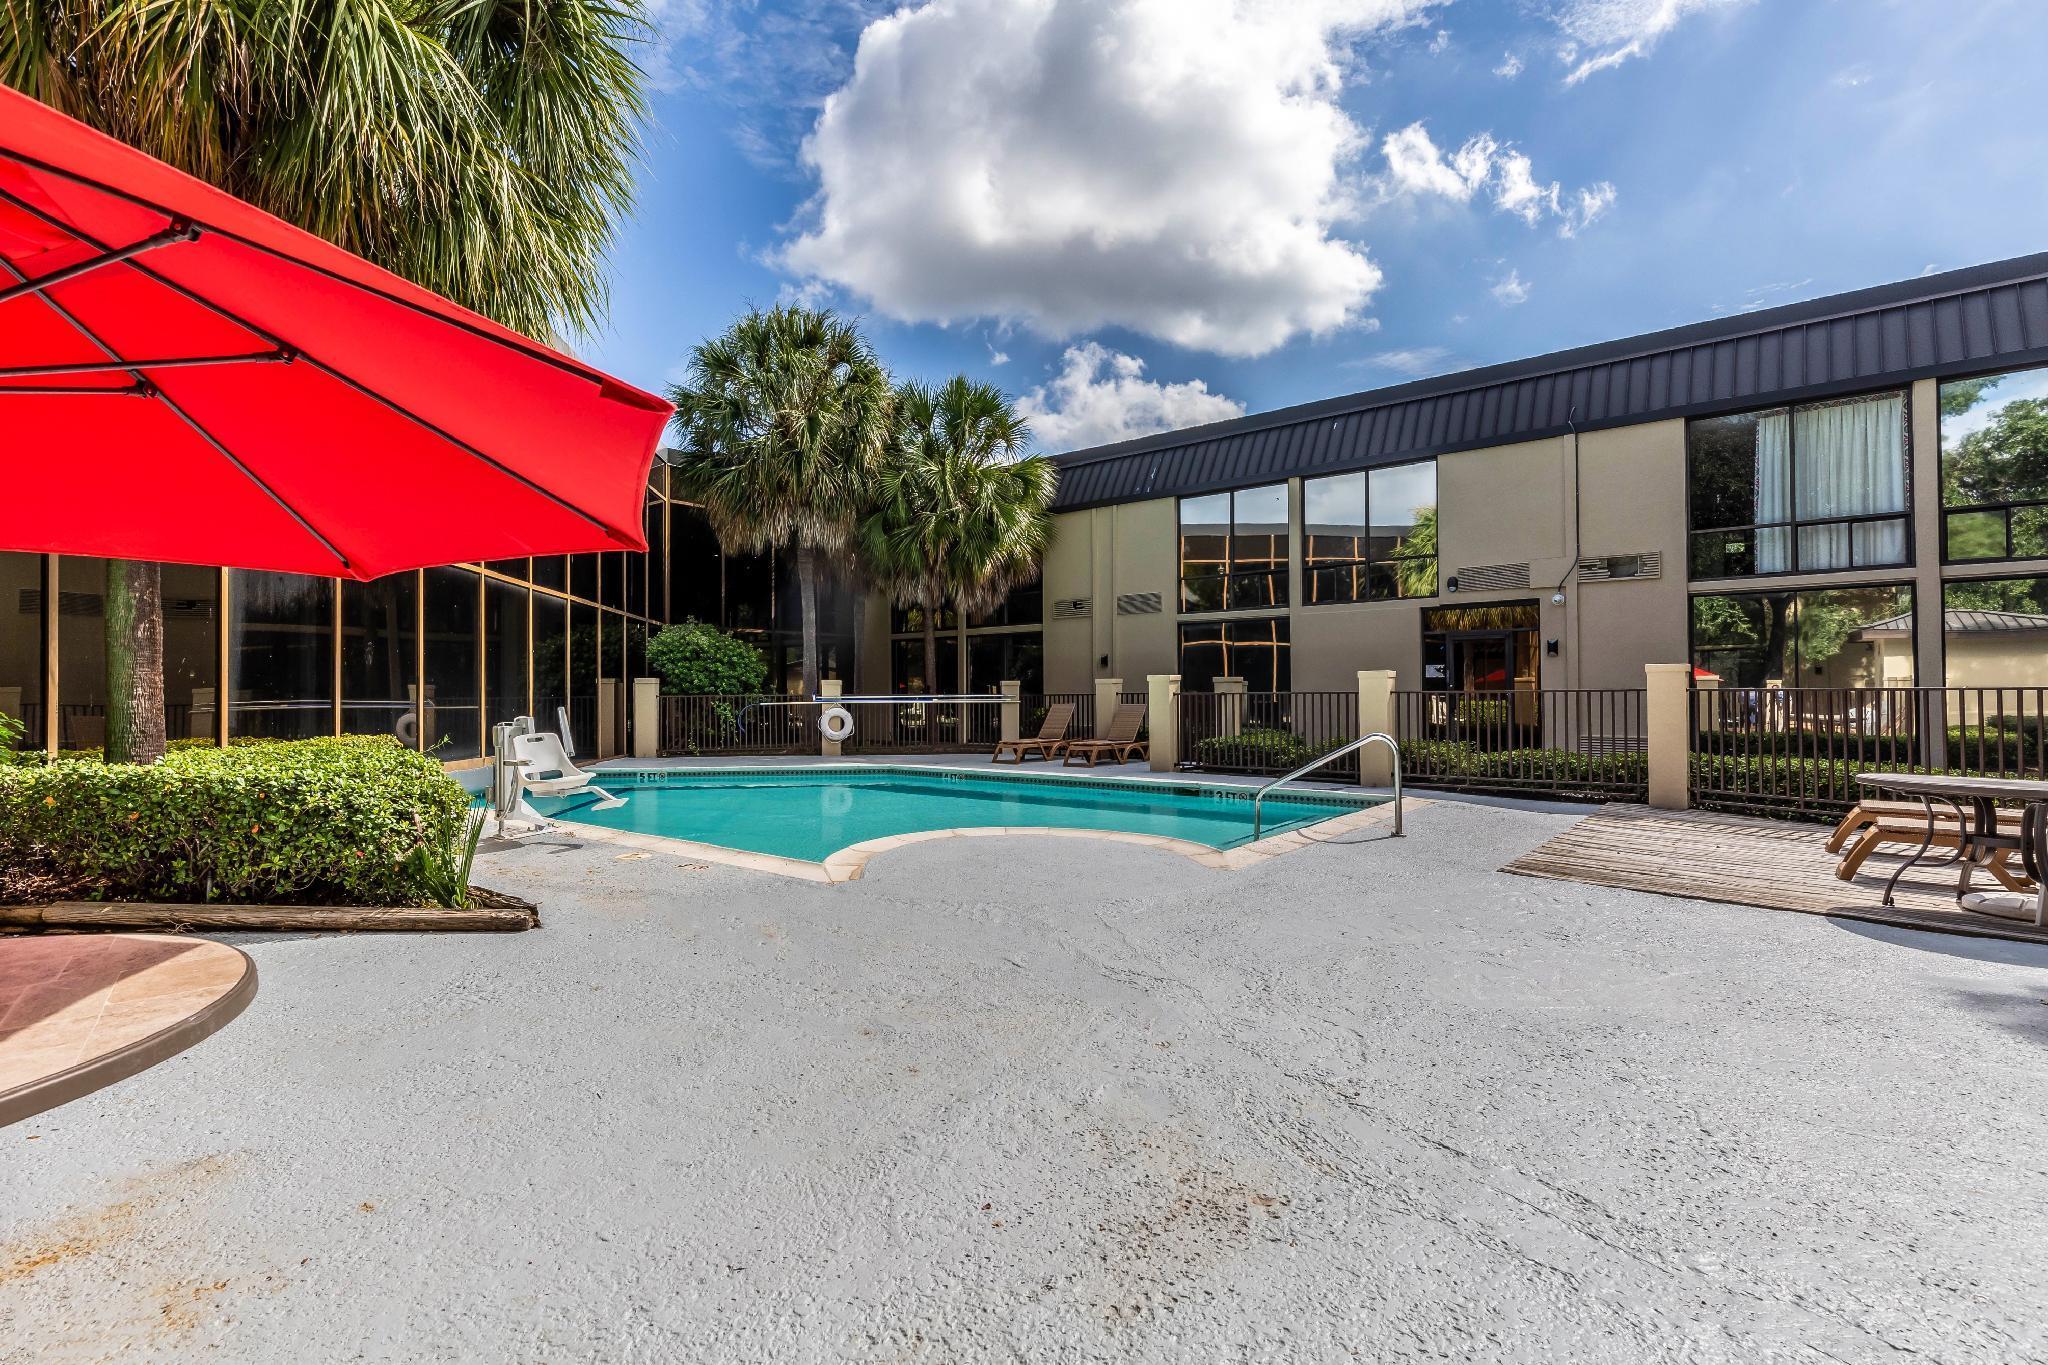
(850, 863)
(1040, 1099)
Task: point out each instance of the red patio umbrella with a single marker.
(184, 377)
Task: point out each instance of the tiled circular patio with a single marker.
(81, 1011)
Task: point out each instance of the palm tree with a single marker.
(781, 427)
(957, 516)
(482, 148)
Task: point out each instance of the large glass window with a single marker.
(190, 608)
(910, 620)
(380, 657)
(281, 655)
(906, 671)
(1799, 489)
(1995, 632)
(550, 660)
(1256, 651)
(995, 659)
(749, 592)
(657, 559)
(1023, 605)
(694, 570)
(1371, 535)
(21, 643)
(453, 709)
(1833, 637)
(504, 653)
(583, 678)
(1233, 550)
(1994, 466)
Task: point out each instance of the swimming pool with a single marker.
(811, 813)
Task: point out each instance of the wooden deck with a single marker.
(1742, 860)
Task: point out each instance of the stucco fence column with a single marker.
(1229, 710)
(829, 688)
(1012, 708)
(1375, 713)
(1162, 719)
(646, 717)
(1107, 691)
(1667, 734)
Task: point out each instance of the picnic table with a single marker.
(1980, 838)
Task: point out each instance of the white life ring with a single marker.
(836, 723)
(408, 730)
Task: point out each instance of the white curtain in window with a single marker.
(1773, 490)
(1851, 461)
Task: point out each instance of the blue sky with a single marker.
(1144, 213)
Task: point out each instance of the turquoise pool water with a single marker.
(812, 813)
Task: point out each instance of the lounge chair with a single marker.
(549, 771)
(1122, 741)
(1052, 736)
(1907, 831)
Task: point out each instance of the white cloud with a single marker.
(1176, 167)
(1616, 30)
(1509, 68)
(1415, 362)
(996, 357)
(1101, 395)
(1511, 289)
(1849, 77)
(1441, 43)
(1417, 166)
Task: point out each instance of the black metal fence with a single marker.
(1268, 732)
(740, 725)
(1797, 751)
(1583, 743)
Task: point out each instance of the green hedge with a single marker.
(1425, 760)
(318, 821)
(1258, 748)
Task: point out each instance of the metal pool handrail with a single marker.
(1314, 763)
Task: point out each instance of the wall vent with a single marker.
(1492, 577)
(1072, 608)
(1139, 604)
(1613, 568)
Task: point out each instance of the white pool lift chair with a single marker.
(549, 771)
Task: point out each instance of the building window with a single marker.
(1830, 637)
(280, 655)
(1256, 651)
(910, 620)
(1994, 467)
(505, 653)
(22, 643)
(1023, 605)
(380, 657)
(1233, 550)
(452, 708)
(1370, 536)
(906, 666)
(1995, 632)
(1799, 490)
(993, 660)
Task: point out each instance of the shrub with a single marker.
(695, 659)
(1432, 760)
(1257, 747)
(11, 733)
(334, 821)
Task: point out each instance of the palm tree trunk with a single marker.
(807, 592)
(135, 661)
(931, 649)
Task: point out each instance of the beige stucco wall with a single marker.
(1632, 501)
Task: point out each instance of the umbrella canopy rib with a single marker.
(112, 363)
(39, 284)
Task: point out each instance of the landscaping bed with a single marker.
(336, 833)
